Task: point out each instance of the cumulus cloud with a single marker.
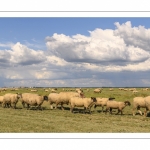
(21, 55)
(104, 58)
(101, 47)
(135, 36)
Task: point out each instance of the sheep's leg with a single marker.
(138, 108)
(145, 113)
(95, 107)
(27, 106)
(51, 106)
(102, 109)
(23, 104)
(71, 109)
(111, 111)
(62, 108)
(118, 112)
(133, 112)
(106, 110)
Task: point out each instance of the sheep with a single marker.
(53, 91)
(97, 91)
(33, 100)
(101, 102)
(116, 105)
(147, 104)
(138, 102)
(33, 90)
(52, 98)
(1, 99)
(11, 99)
(87, 103)
(62, 98)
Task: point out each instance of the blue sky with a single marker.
(73, 51)
(30, 29)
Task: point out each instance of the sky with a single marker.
(74, 52)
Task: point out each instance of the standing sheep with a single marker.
(1, 99)
(33, 100)
(138, 102)
(87, 103)
(11, 99)
(102, 102)
(117, 105)
(98, 90)
(52, 98)
(141, 102)
(62, 98)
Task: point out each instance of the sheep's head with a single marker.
(19, 95)
(82, 95)
(111, 98)
(127, 103)
(94, 99)
(45, 98)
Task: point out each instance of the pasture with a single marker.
(21, 120)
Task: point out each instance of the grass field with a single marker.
(21, 120)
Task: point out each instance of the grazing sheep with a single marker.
(11, 99)
(97, 91)
(62, 98)
(53, 91)
(87, 103)
(101, 102)
(33, 100)
(33, 90)
(116, 105)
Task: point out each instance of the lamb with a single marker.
(87, 103)
(117, 105)
(33, 100)
(101, 102)
(11, 99)
(62, 98)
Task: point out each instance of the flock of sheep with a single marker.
(73, 99)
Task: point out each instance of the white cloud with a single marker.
(104, 58)
(135, 36)
(102, 47)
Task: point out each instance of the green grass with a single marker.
(21, 120)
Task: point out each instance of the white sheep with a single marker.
(101, 102)
(97, 90)
(33, 100)
(63, 98)
(33, 90)
(138, 102)
(52, 98)
(116, 105)
(141, 102)
(87, 103)
(11, 99)
(147, 104)
(1, 99)
(53, 91)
